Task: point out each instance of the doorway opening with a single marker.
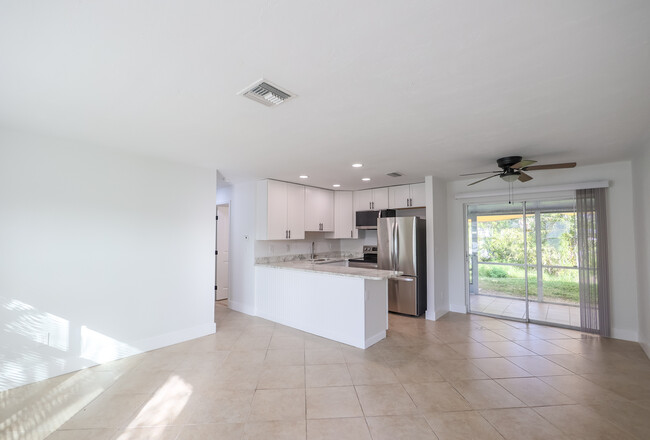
(222, 251)
(522, 261)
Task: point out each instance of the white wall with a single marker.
(436, 232)
(440, 246)
(641, 176)
(242, 245)
(102, 254)
(622, 241)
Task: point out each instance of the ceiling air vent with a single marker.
(266, 93)
(395, 174)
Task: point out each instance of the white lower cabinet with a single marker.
(348, 309)
(280, 211)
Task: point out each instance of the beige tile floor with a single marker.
(562, 314)
(464, 376)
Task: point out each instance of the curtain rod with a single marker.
(535, 189)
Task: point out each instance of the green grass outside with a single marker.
(510, 281)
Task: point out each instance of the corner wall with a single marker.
(437, 272)
(242, 245)
(103, 254)
(641, 180)
(622, 240)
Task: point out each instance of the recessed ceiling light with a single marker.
(357, 165)
(365, 179)
(304, 177)
(336, 185)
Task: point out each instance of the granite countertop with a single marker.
(358, 272)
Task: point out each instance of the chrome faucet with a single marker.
(312, 251)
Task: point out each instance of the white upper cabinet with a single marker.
(319, 209)
(363, 200)
(280, 211)
(380, 198)
(343, 216)
(398, 196)
(417, 195)
(296, 211)
(406, 196)
(371, 199)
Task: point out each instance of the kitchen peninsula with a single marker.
(345, 304)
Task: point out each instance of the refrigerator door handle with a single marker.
(396, 246)
(394, 257)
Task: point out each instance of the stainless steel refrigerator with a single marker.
(401, 245)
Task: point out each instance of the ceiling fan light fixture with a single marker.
(510, 177)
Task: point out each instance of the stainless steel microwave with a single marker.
(368, 219)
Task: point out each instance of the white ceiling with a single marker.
(420, 87)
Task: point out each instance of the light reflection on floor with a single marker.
(562, 314)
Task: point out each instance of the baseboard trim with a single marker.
(375, 338)
(175, 337)
(457, 308)
(626, 335)
(646, 348)
(435, 315)
(242, 307)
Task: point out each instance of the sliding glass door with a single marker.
(522, 261)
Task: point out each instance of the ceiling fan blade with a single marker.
(482, 172)
(523, 163)
(479, 181)
(554, 166)
(523, 177)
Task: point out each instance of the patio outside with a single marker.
(512, 254)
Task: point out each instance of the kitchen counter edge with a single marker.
(356, 272)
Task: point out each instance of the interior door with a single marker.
(222, 281)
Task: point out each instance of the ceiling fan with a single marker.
(513, 167)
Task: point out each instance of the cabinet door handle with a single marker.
(350, 233)
(289, 233)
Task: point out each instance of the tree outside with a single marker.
(500, 241)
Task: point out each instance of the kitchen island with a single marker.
(345, 304)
